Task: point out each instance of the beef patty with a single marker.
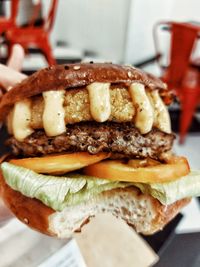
(119, 138)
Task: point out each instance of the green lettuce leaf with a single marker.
(168, 193)
(55, 191)
(60, 192)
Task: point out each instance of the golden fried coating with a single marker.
(77, 107)
(36, 112)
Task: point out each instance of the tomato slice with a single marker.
(115, 170)
(59, 164)
(136, 163)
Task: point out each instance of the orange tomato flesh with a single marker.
(136, 163)
(115, 170)
(59, 164)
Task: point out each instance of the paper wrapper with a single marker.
(110, 242)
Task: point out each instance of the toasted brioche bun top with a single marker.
(76, 75)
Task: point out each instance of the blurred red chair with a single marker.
(36, 36)
(181, 76)
(8, 23)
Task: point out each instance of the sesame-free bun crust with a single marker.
(74, 76)
(146, 214)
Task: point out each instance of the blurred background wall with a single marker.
(99, 26)
(119, 30)
(143, 17)
(112, 30)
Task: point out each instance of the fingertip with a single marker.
(17, 56)
(18, 50)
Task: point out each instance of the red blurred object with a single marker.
(35, 36)
(7, 23)
(181, 76)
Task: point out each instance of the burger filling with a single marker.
(129, 122)
(83, 130)
(122, 140)
(97, 102)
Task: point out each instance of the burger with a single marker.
(92, 138)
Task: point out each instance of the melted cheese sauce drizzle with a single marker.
(99, 96)
(21, 119)
(54, 113)
(144, 112)
(161, 114)
(150, 111)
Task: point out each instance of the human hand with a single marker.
(9, 76)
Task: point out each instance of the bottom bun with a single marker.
(146, 214)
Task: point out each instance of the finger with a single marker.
(9, 77)
(16, 59)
